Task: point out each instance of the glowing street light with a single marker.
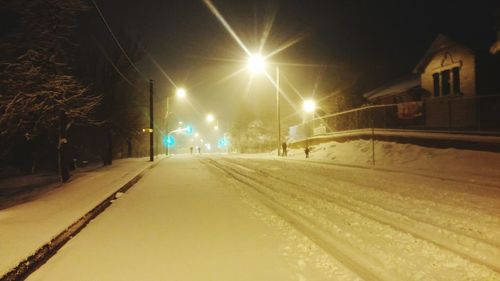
(210, 118)
(180, 92)
(256, 63)
(309, 106)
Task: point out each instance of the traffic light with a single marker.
(168, 141)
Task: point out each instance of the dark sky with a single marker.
(374, 40)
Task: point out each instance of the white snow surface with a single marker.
(26, 227)
(419, 214)
(447, 162)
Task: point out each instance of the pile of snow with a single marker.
(404, 156)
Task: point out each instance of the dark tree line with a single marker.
(66, 91)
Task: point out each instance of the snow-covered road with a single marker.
(231, 218)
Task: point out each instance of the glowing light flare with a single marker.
(159, 67)
(222, 143)
(256, 63)
(226, 25)
(210, 118)
(282, 93)
(267, 31)
(180, 92)
(168, 141)
(285, 46)
(309, 106)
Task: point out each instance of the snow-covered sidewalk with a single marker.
(27, 227)
(185, 220)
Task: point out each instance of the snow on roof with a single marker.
(395, 87)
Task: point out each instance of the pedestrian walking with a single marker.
(191, 150)
(307, 150)
(284, 147)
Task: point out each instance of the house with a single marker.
(456, 84)
(458, 80)
(405, 89)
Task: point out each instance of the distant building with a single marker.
(453, 82)
(405, 89)
(456, 75)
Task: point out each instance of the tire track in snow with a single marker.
(459, 217)
(488, 257)
(365, 266)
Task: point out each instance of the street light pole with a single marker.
(181, 93)
(278, 115)
(151, 142)
(256, 63)
(166, 125)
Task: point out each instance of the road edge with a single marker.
(45, 252)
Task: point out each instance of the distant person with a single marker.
(199, 150)
(306, 151)
(191, 150)
(285, 152)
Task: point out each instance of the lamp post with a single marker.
(211, 118)
(151, 152)
(180, 93)
(309, 107)
(257, 64)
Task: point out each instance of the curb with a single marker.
(44, 253)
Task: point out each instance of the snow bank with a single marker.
(406, 156)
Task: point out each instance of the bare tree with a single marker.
(36, 71)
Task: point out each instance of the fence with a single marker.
(479, 115)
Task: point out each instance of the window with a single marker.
(435, 77)
(446, 82)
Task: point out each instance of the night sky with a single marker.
(372, 41)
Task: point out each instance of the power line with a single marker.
(115, 67)
(116, 40)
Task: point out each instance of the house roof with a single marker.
(440, 43)
(394, 87)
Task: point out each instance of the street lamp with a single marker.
(180, 93)
(309, 106)
(257, 64)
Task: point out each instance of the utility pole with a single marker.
(278, 115)
(166, 125)
(151, 125)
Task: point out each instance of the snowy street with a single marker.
(234, 218)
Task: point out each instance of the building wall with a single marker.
(446, 111)
(448, 58)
